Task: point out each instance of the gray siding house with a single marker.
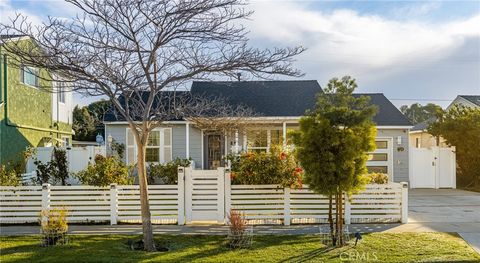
(278, 106)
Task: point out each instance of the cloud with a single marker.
(372, 48)
(8, 12)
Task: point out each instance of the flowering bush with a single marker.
(274, 167)
(8, 177)
(53, 225)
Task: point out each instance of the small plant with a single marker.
(377, 178)
(54, 227)
(105, 171)
(239, 236)
(8, 177)
(168, 172)
(54, 171)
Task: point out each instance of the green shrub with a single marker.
(8, 177)
(168, 172)
(377, 178)
(54, 171)
(53, 225)
(105, 171)
(274, 167)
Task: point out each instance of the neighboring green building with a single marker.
(29, 116)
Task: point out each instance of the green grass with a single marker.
(384, 247)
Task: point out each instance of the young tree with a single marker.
(460, 127)
(133, 51)
(417, 113)
(332, 146)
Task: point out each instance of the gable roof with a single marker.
(475, 99)
(266, 98)
(289, 98)
(285, 98)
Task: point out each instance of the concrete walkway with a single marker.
(446, 210)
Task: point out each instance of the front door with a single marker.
(214, 151)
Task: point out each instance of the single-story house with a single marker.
(278, 106)
(420, 138)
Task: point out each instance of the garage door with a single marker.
(380, 161)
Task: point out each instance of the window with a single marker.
(158, 149)
(61, 92)
(152, 154)
(381, 144)
(29, 76)
(417, 142)
(257, 141)
(66, 141)
(380, 161)
(378, 157)
(378, 169)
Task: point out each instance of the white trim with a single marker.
(389, 152)
(418, 131)
(394, 127)
(284, 134)
(202, 143)
(187, 140)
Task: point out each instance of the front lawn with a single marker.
(381, 247)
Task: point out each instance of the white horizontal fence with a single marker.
(261, 204)
(271, 204)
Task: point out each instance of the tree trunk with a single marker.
(330, 215)
(341, 240)
(336, 220)
(148, 242)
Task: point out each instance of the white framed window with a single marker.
(262, 140)
(158, 149)
(66, 141)
(29, 76)
(381, 160)
(61, 92)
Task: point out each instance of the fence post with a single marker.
(113, 204)
(221, 195)
(181, 196)
(45, 196)
(228, 194)
(404, 202)
(347, 209)
(188, 194)
(45, 200)
(286, 208)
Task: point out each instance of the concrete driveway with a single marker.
(446, 210)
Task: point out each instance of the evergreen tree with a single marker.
(332, 146)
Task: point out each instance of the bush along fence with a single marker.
(200, 195)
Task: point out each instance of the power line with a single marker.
(413, 99)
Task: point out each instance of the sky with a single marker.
(412, 51)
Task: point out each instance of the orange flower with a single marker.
(283, 156)
(298, 170)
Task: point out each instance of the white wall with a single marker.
(62, 112)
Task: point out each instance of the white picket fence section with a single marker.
(184, 203)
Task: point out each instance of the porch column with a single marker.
(284, 134)
(187, 140)
(236, 142)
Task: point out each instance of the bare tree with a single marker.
(132, 51)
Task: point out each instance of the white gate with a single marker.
(432, 167)
(205, 195)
